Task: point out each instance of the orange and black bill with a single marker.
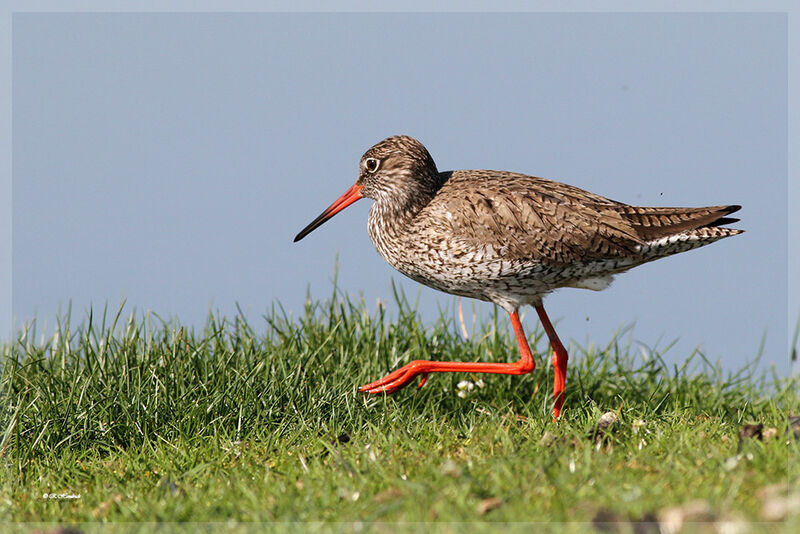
(349, 196)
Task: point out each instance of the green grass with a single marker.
(149, 421)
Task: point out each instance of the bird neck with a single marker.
(392, 220)
(402, 204)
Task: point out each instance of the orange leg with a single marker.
(402, 377)
(560, 358)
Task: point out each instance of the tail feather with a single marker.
(675, 243)
(723, 221)
(653, 224)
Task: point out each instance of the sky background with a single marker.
(169, 159)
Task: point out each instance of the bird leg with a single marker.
(402, 377)
(560, 358)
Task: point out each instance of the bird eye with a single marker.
(371, 164)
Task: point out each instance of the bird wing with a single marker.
(524, 217)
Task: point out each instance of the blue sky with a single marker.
(169, 159)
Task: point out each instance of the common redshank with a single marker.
(509, 239)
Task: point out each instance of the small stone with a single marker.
(606, 420)
(487, 505)
(606, 424)
(647, 524)
(779, 508)
(606, 521)
(732, 526)
(777, 502)
(672, 519)
(769, 433)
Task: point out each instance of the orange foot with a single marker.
(398, 379)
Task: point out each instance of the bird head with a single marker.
(398, 171)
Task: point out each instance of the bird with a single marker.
(507, 238)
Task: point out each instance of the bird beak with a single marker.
(350, 196)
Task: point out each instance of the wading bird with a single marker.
(509, 239)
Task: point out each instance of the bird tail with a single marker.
(651, 224)
(668, 231)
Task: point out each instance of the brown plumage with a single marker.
(507, 238)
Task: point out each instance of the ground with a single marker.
(137, 420)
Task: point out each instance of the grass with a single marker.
(150, 421)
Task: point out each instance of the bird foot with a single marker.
(398, 379)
